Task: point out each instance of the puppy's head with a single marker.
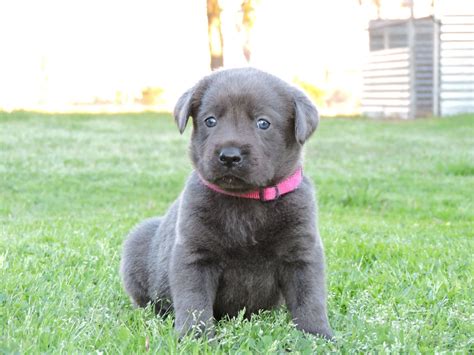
(248, 127)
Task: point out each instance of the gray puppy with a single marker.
(216, 251)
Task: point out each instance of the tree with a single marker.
(214, 32)
(376, 3)
(244, 17)
(248, 19)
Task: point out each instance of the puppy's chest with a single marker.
(250, 227)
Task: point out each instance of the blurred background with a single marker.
(401, 58)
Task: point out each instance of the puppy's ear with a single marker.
(188, 104)
(306, 116)
(183, 109)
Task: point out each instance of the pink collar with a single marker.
(269, 193)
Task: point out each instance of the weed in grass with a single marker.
(458, 167)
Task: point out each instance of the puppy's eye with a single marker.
(210, 121)
(263, 124)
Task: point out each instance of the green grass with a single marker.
(396, 216)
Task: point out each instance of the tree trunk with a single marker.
(214, 31)
(248, 19)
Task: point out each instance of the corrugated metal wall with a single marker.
(457, 63)
(424, 67)
(387, 83)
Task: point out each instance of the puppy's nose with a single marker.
(230, 156)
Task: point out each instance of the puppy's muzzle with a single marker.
(230, 156)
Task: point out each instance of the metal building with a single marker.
(456, 64)
(420, 67)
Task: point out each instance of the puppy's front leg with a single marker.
(193, 282)
(303, 286)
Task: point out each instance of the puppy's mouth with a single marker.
(232, 183)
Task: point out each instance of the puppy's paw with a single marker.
(196, 329)
(198, 332)
(322, 332)
(326, 334)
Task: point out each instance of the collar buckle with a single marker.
(261, 193)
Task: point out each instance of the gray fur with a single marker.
(213, 255)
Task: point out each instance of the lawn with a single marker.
(396, 216)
